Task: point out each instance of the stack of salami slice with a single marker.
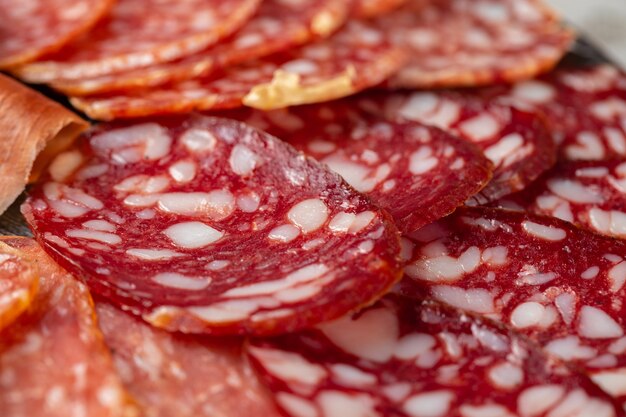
(310, 208)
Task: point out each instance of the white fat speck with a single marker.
(535, 278)
(198, 140)
(413, 345)
(596, 324)
(192, 235)
(590, 272)
(544, 232)
(217, 265)
(321, 147)
(350, 376)
(303, 275)
(480, 128)
(422, 160)
(617, 276)
(99, 225)
(570, 348)
(535, 92)
(296, 406)
(182, 282)
(289, 367)
(527, 314)
(573, 191)
(104, 237)
(505, 147)
(248, 203)
(341, 404)
(308, 215)
(133, 144)
(429, 404)
(242, 160)
(217, 204)
(182, 171)
(153, 254)
(65, 164)
(476, 299)
(506, 376)
(284, 233)
(534, 401)
(612, 381)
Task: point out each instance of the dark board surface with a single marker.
(584, 53)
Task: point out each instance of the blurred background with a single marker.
(604, 21)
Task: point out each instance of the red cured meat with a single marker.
(418, 173)
(457, 43)
(560, 285)
(357, 57)
(138, 33)
(30, 29)
(373, 8)
(53, 361)
(207, 225)
(277, 26)
(516, 141)
(590, 194)
(406, 359)
(585, 108)
(19, 280)
(184, 376)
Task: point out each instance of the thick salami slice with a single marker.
(458, 43)
(586, 109)
(138, 33)
(558, 284)
(416, 172)
(19, 280)
(374, 8)
(207, 225)
(31, 29)
(590, 194)
(277, 26)
(516, 141)
(357, 57)
(184, 376)
(405, 359)
(53, 361)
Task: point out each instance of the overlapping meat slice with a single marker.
(357, 57)
(30, 29)
(19, 280)
(585, 109)
(185, 376)
(456, 43)
(516, 141)
(277, 26)
(558, 284)
(416, 172)
(53, 361)
(407, 359)
(138, 33)
(374, 8)
(207, 225)
(590, 194)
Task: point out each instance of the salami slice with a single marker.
(560, 285)
(458, 43)
(586, 109)
(138, 33)
(516, 141)
(416, 172)
(29, 30)
(590, 194)
(207, 225)
(406, 359)
(277, 26)
(19, 280)
(185, 376)
(53, 360)
(357, 57)
(373, 8)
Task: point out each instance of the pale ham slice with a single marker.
(32, 130)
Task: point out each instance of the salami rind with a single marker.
(277, 26)
(416, 172)
(590, 194)
(138, 33)
(32, 29)
(585, 109)
(207, 225)
(53, 360)
(516, 141)
(185, 376)
(407, 359)
(355, 58)
(19, 280)
(560, 285)
(465, 43)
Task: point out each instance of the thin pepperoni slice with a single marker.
(460, 43)
(416, 172)
(53, 361)
(19, 280)
(357, 57)
(407, 359)
(207, 225)
(590, 194)
(373, 8)
(560, 285)
(277, 26)
(517, 142)
(31, 29)
(585, 108)
(138, 33)
(185, 376)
